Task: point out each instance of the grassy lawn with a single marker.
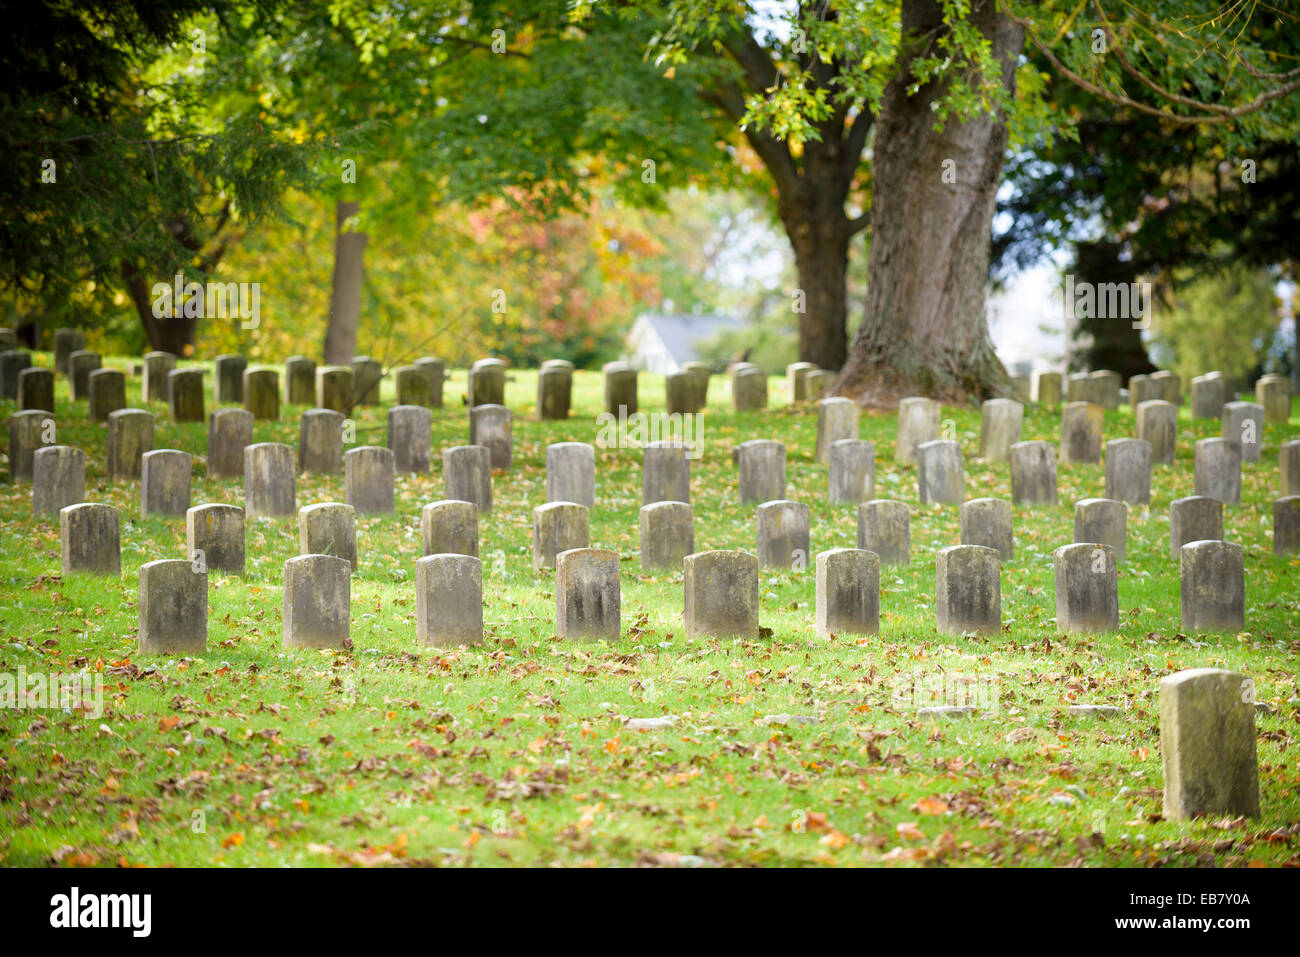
(515, 752)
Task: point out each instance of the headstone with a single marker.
(1218, 470)
(837, 418)
(794, 382)
(58, 478)
(816, 381)
(1286, 525)
(554, 391)
(439, 370)
(12, 363)
(667, 535)
(968, 590)
(588, 600)
(261, 394)
(1081, 426)
(130, 436)
(487, 383)
(1047, 390)
(1243, 422)
(328, 528)
(30, 430)
(300, 380)
(173, 608)
(1288, 467)
(410, 436)
(1209, 393)
(320, 442)
(1000, 422)
(1207, 744)
(665, 473)
(1128, 471)
(918, 421)
(1101, 521)
(185, 394)
(1213, 586)
(90, 540)
(620, 389)
(852, 471)
(230, 379)
(679, 393)
(749, 391)
(700, 374)
(762, 470)
(721, 589)
(1193, 519)
(940, 472)
(268, 480)
(1087, 588)
(1157, 423)
(449, 600)
(165, 482)
(1107, 388)
(8, 337)
(367, 374)
(1142, 388)
(334, 388)
(987, 522)
(214, 537)
(369, 472)
(848, 592)
(107, 393)
(1033, 473)
(230, 432)
(1082, 387)
(490, 426)
(66, 342)
(36, 389)
(1273, 392)
(571, 473)
(558, 527)
(1170, 386)
(414, 385)
(885, 527)
(783, 535)
(467, 475)
(80, 365)
(317, 602)
(449, 528)
(157, 366)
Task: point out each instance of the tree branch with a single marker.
(774, 153)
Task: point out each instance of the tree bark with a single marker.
(345, 293)
(1113, 342)
(925, 331)
(176, 334)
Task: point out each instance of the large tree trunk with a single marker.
(820, 235)
(345, 294)
(925, 331)
(1111, 341)
(176, 334)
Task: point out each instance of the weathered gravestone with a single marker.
(367, 374)
(214, 538)
(1218, 470)
(1286, 525)
(317, 602)
(1157, 423)
(1288, 467)
(1000, 422)
(558, 527)
(269, 488)
(749, 391)
(588, 599)
(721, 594)
(1142, 388)
(1081, 427)
(1171, 386)
(487, 383)
(90, 540)
(130, 436)
(410, 437)
(1209, 393)
(885, 527)
(940, 472)
(762, 470)
(1103, 521)
(1047, 390)
(667, 532)
(165, 482)
(66, 342)
(334, 388)
(1243, 422)
(369, 472)
(439, 370)
(414, 385)
(571, 473)
(320, 442)
(490, 425)
(679, 393)
(782, 531)
(554, 390)
(157, 366)
(80, 365)
(58, 478)
(32, 429)
(852, 474)
(1106, 388)
(837, 418)
(36, 389)
(1207, 744)
(794, 382)
(1273, 392)
(848, 592)
(230, 379)
(1193, 519)
(620, 389)
(185, 394)
(449, 600)
(1033, 473)
(12, 363)
(1128, 471)
(173, 608)
(987, 522)
(230, 432)
(918, 422)
(261, 394)
(968, 590)
(300, 380)
(467, 475)
(1087, 588)
(665, 473)
(449, 528)
(328, 528)
(107, 393)
(1212, 586)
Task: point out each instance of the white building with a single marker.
(661, 343)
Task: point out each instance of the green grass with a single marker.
(514, 752)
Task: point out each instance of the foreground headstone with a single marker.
(334, 387)
(782, 528)
(1207, 744)
(1157, 423)
(1101, 521)
(940, 472)
(852, 474)
(1213, 586)
(571, 473)
(367, 374)
(35, 389)
(554, 391)
(320, 442)
(30, 430)
(1087, 588)
(410, 432)
(1000, 422)
(369, 472)
(300, 380)
(762, 470)
(414, 385)
(1243, 422)
(749, 391)
(230, 432)
(165, 482)
(449, 600)
(66, 342)
(185, 394)
(1209, 393)
(721, 589)
(620, 389)
(439, 369)
(588, 599)
(214, 537)
(173, 608)
(449, 528)
(968, 590)
(1033, 473)
(1288, 467)
(490, 425)
(269, 488)
(1218, 470)
(558, 527)
(1128, 471)
(1081, 426)
(130, 436)
(885, 527)
(487, 383)
(1193, 519)
(58, 478)
(80, 365)
(837, 418)
(1286, 525)
(157, 366)
(665, 473)
(230, 379)
(90, 540)
(987, 522)
(261, 394)
(317, 602)
(848, 592)
(1273, 392)
(667, 535)
(467, 475)
(1047, 390)
(107, 393)
(1171, 386)
(918, 422)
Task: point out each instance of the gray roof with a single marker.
(680, 332)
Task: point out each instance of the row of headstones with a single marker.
(1209, 392)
